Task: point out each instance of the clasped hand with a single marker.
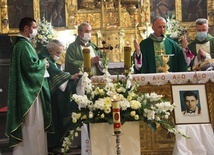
(95, 60)
(201, 54)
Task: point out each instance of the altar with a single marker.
(161, 141)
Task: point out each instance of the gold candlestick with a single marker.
(87, 60)
(127, 59)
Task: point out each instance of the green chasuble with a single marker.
(62, 106)
(176, 62)
(57, 77)
(26, 82)
(74, 56)
(192, 46)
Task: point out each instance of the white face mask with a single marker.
(55, 58)
(86, 37)
(33, 34)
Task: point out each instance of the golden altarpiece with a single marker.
(112, 22)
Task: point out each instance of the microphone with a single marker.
(162, 35)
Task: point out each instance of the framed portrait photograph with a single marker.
(191, 104)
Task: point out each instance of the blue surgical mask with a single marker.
(201, 36)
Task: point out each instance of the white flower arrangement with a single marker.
(96, 105)
(174, 29)
(45, 32)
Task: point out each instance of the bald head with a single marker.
(158, 18)
(159, 26)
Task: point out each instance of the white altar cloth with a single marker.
(164, 78)
(201, 142)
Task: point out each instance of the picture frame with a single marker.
(191, 104)
(54, 12)
(180, 11)
(17, 10)
(165, 9)
(13, 20)
(190, 13)
(148, 8)
(13, 11)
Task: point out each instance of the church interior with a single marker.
(115, 24)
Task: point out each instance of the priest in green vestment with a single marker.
(29, 108)
(60, 84)
(156, 49)
(74, 54)
(203, 45)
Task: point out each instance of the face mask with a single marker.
(201, 36)
(33, 34)
(86, 37)
(55, 58)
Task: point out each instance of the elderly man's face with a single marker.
(56, 52)
(86, 29)
(191, 102)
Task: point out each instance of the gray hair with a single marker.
(53, 44)
(201, 21)
(80, 27)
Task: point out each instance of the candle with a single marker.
(116, 117)
(87, 60)
(127, 58)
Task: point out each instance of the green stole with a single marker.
(192, 46)
(176, 63)
(159, 49)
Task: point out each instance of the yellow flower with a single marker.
(107, 110)
(101, 92)
(44, 29)
(136, 117)
(96, 91)
(102, 115)
(74, 120)
(107, 101)
(135, 104)
(129, 98)
(133, 113)
(49, 36)
(84, 117)
(39, 36)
